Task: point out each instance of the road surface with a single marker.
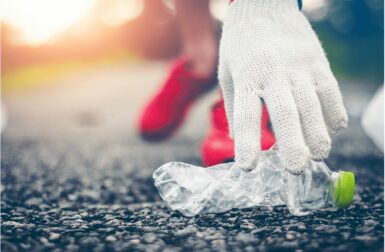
(75, 176)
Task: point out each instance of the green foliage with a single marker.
(353, 37)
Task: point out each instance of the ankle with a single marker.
(204, 66)
(202, 58)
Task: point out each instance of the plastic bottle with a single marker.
(193, 190)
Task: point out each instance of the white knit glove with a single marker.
(269, 52)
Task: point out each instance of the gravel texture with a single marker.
(72, 180)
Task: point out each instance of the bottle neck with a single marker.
(334, 177)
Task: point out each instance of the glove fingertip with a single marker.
(339, 124)
(297, 161)
(320, 149)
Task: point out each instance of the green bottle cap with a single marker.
(344, 190)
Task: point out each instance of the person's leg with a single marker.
(189, 78)
(199, 38)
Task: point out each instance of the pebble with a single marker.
(218, 243)
(54, 236)
(135, 241)
(364, 229)
(71, 217)
(370, 222)
(149, 238)
(15, 224)
(216, 236)
(111, 238)
(290, 236)
(113, 223)
(96, 223)
(326, 229)
(288, 245)
(277, 230)
(186, 231)
(365, 238)
(301, 227)
(72, 247)
(248, 226)
(244, 237)
(89, 241)
(261, 230)
(33, 201)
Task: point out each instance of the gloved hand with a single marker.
(269, 52)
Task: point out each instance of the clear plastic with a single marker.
(193, 190)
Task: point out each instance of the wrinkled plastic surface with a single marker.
(193, 190)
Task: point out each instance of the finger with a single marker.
(309, 108)
(247, 127)
(227, 87)
(286, 125)
(330, 98)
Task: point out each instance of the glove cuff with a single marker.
(247, 9)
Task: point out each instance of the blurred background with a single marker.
(44, 39)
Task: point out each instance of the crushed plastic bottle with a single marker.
(193, 190)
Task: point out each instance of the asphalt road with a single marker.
(76, 177)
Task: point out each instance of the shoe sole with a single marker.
(170, 129)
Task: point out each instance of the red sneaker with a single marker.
(166, 111)
(218, 147)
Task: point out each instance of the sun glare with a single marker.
(119, 11)
(38, 21)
